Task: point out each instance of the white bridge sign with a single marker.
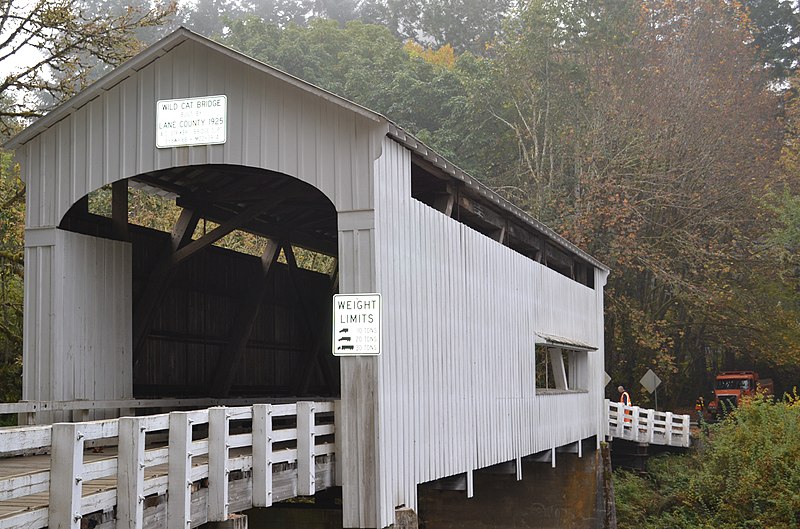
(193, 121)
(356, 324)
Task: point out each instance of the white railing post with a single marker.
(668, 427)
(338, 439)
(130, 473)
(179, 506)
(607, 425)
(306, 478)
(262, 455)
(651, 425)
(218, 445)
(635, 425)
(66, 482)
(686, 431)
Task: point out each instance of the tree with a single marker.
(684, 147)
(466, 25)
(646, 132)
(12, 213)
(362, 62)
(776, 34)
(47, 50)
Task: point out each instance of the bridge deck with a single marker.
(209, 452)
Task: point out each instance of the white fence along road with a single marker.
(643, 425)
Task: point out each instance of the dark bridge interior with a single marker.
(210, 321)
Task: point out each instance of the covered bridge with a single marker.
(474, 292)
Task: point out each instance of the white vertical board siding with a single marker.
(38, 330)
(457, 386)
(272, 124)
(94, 315)
(78, 332)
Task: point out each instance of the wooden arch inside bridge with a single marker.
(214, 322)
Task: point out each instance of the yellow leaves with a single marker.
(444, 57)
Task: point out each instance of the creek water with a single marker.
(564, 497)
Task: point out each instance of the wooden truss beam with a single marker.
(318, 353)
(181, 249)
(313, 321)
(227, 226)
(159, 279)
(231, 356)
(119, 210)
(500, 227)
(445, 201)
(302, 235)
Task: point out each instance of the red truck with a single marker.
(731, 386)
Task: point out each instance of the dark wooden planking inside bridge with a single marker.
(211, 321)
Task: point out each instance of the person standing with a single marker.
(699, 407)
(624, 396)
(625, 400)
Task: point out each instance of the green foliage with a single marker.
(776, 34)
(49, 49)
(746, 474)
(467, 25)
(12, 213)
(362, 62)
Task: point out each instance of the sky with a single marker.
(27, 55)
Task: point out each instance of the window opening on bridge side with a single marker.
(434, 188)
(560, 370)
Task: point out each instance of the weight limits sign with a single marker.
(357, 324)
(193, 121)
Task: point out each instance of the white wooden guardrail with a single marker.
(277, 451)
(647, 426)
(80, 410)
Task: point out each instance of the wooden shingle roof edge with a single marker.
(406, 139)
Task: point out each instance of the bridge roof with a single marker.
(482, 192)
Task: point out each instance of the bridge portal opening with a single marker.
(232, 272)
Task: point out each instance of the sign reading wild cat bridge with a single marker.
(192, 121)
(356, 324)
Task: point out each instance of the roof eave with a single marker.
(152, 53)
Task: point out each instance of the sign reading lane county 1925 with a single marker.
(357, 324)
(194, 121)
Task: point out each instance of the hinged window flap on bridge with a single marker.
(120, 316)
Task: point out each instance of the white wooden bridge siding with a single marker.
(101, 136)
(82, 287)
(456, 376)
